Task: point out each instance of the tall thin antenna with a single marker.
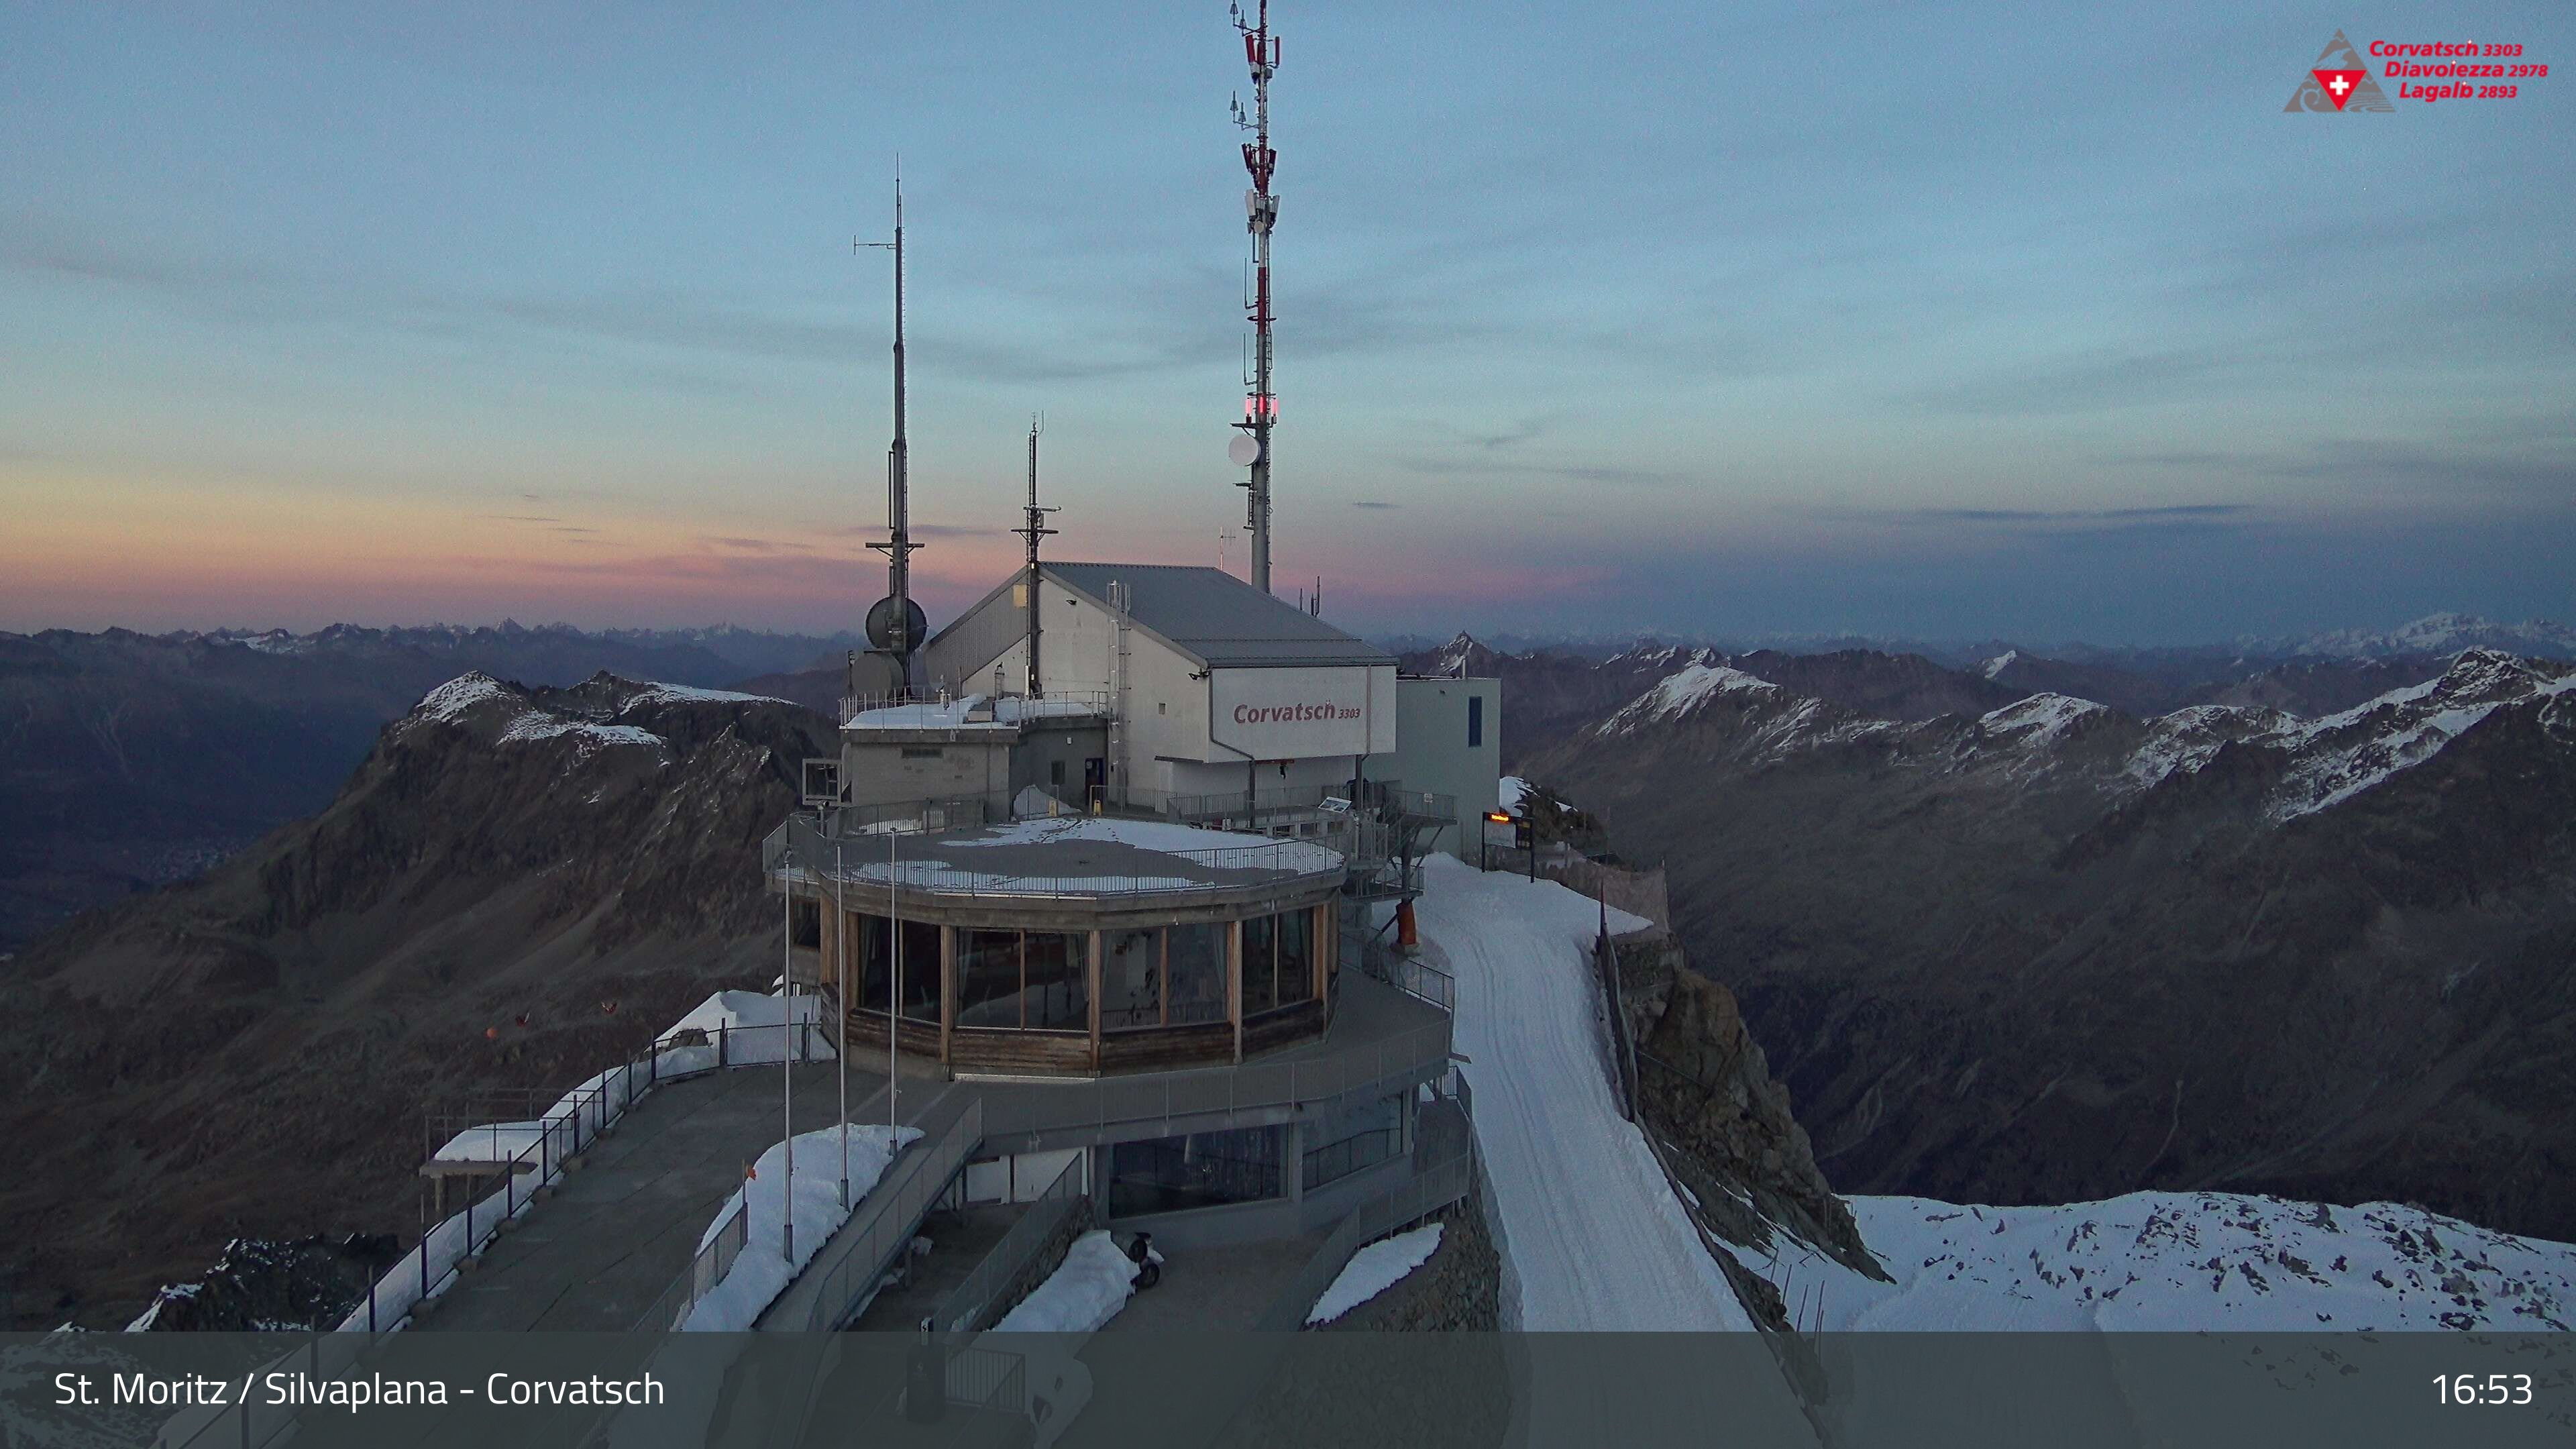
(1034, 530)
(1261, 208)
(896, 625)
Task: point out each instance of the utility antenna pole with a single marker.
(1034, 530)
(896, 625)
(1261, 207)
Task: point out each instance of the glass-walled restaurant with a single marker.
(1005, 986)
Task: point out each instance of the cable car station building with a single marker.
(1142, 909)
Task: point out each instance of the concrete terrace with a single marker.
(622, 1228)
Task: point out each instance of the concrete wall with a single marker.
(1431, 750)
(888, 772)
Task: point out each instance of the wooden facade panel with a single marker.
(867, 1034)
(1211, 1044)
(1279, 1028)
(974, 1049)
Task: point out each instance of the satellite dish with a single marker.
(881, 624)
(1243, 450)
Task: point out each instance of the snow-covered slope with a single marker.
(2188, 1262)
(1595, 1237)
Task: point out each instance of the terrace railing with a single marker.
(881, 1225)
(1377, 1069)
(1005, 1274)
(1443, 1183)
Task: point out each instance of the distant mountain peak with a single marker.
(2445, 633)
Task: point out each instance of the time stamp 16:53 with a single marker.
(2483, 1388)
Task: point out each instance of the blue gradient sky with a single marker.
(2001, 320)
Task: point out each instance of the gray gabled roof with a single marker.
(1217, 618)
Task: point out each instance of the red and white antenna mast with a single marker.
(1261, 207)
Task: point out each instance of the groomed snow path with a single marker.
(1596, 1237)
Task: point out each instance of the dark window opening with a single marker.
(921, 752)
(1204, 1169)
(918, 990)
(1023, 979)
(1475, 721)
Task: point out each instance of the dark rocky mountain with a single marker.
(514, 886)
(2308, 688)
(2054, 952)
(817, 689)
(129, 760)
(1550, 696)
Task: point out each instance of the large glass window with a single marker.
(874, 965)
(1296, 956)
(988, 978)
(1260, 964)
(1278, 960)
(1016, 979)
(1204, 1169)
(920, 971)
(1058, 973)
(1131, 979)
(1194, 958)
(1346, 1142)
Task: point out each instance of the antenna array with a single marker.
(1261, 207)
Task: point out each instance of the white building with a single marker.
(1212, 687)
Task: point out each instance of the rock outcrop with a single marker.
(514, 887)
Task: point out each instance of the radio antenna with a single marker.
(1034, 530)
(896, 625)
(1261, 208)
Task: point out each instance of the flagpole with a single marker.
(786, 1067)
(894, 983)
(841, 1008)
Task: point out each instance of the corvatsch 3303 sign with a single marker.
(1299, 713)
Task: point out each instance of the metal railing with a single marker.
(1336, 1160)
(1443, 1184)
(881, 1226)
(1002, 1278)
(1381, 1067)
(1051, 705)
(700, 1278)
(799, 844)
(537, 1148)
(1411, 975)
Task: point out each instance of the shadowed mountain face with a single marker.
(514, 887)
(129, 761)
(2053, 952)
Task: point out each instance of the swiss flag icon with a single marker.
(2339, 83)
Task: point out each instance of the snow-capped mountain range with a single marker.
(2315, 764)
